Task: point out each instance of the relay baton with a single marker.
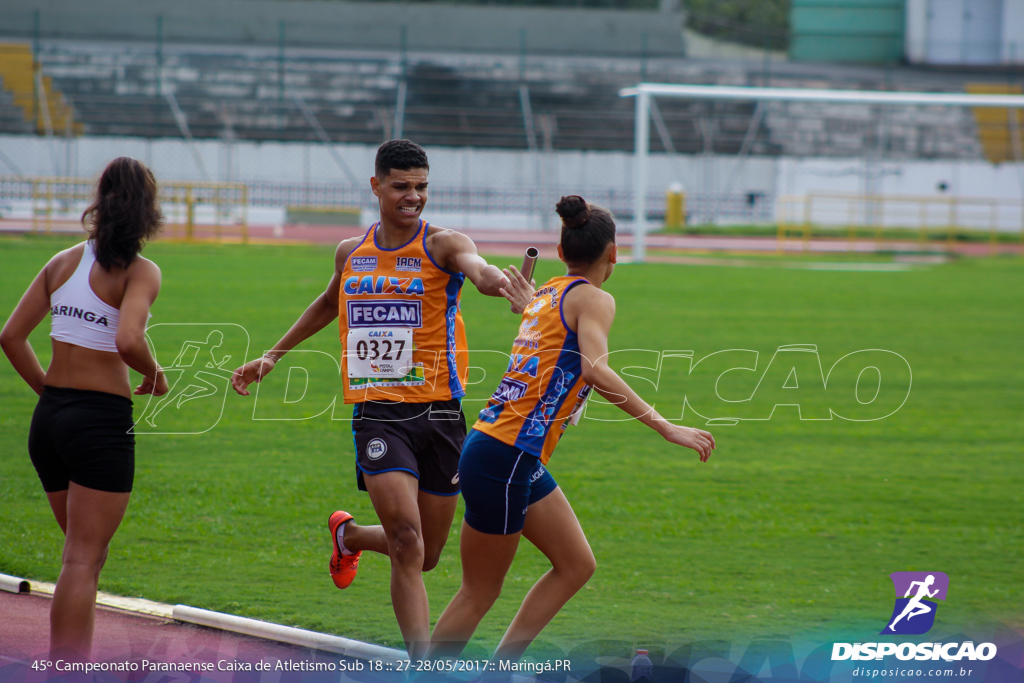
(529, 261)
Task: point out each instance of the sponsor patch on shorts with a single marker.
(376, 449)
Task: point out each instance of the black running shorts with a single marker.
(83, 436)
(499, 483)
(423, 439)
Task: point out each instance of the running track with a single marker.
(514, 242)
(121, 636)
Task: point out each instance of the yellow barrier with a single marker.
(193, 210)
(999, 129)
(857, 213)
(311, 214)
(675, 208)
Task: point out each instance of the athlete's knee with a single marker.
(430, 560)
(579, 570)
(481, 595)
(432, 554)
(83, 559)
(406, 544)
(103, 558)
(587, 567)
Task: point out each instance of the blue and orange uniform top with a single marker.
(400, 320)
(543, 384)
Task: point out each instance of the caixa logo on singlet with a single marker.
(368, 285)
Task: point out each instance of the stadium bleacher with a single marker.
(12, 117)
(476, 100)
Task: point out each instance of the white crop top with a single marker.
(78, 316)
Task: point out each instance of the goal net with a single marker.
(866, 208)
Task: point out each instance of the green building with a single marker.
(867, 31)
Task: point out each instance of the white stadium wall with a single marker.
(964, 179)
(1013, 32)
(311, 162)
(546, 175)
(958, 32)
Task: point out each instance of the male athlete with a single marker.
(396, 293)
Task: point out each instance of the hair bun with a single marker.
(574, 211)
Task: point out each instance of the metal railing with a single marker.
(733, 208)
(881, 216)
(195, 210)
(192, 209)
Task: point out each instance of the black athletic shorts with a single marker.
(423, 439)
(499, 483)
(83, 436)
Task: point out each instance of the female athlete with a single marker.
(559, 354)
(98, 295)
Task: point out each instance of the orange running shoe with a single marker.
(343, 567)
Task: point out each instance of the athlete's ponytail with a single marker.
(124, 214)
(587, 230)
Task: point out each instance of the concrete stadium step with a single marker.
(474, 99)
(39, 99)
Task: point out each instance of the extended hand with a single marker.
(253, 371)
(518, 291)
(697, 439)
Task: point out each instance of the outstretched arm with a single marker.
(318, 315)
(594, 312)
(461, 255)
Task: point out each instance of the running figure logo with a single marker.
(195, 384)
(199, 375)
(914, 612)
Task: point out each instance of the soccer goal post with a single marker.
(644, 92)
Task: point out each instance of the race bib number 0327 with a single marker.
(379, 352)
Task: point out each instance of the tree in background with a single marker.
(584, 4)
(761, 23)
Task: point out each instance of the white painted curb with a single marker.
(286, 634)
(227, 622)
(13, 584)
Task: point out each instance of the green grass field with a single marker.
(791, 528)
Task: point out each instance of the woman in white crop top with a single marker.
(98, 295)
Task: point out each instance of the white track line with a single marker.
(134, 605)
(225, 622)
(863, 266)
(286, 634)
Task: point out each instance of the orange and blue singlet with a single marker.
(502, 465)
(543, 384)
(391, 299)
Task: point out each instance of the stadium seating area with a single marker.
(477, 100)
(12, 117)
